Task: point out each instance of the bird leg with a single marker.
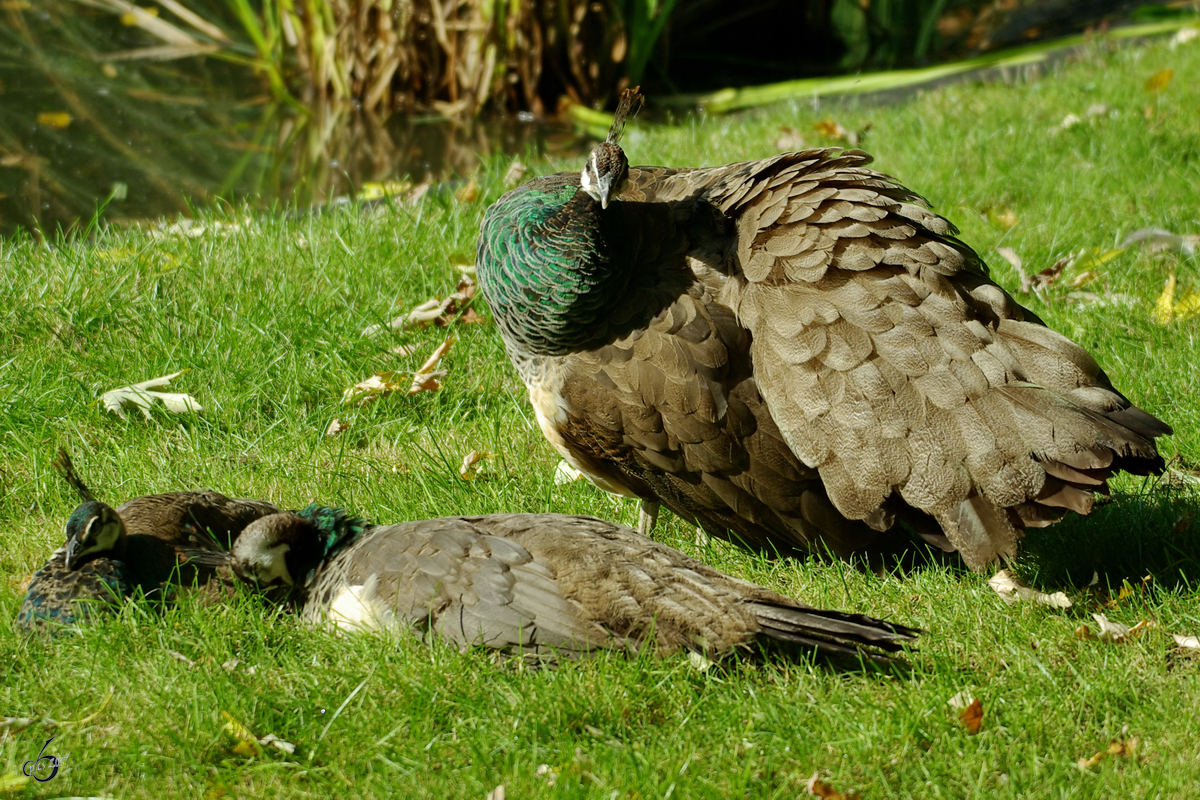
(647, 516)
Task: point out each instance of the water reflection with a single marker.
(144, 139)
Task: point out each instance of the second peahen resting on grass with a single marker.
(111, 554)
(534, 584)
(797, 354)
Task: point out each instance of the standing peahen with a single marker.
(529, 584)
(796, 354)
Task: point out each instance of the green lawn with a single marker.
(267, 315)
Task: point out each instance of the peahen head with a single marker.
(93, 529)
(607, 167)
(285, 549)
(604, 173)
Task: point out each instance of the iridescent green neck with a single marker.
(337, 527)
(545, 268)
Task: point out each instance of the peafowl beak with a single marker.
(72, 553)
(604, 189)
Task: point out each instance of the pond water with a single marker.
(126, 143)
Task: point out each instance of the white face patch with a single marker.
(585, 177)
(270, 566)
(98, 537)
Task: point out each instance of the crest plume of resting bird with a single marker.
(797, 354)
(532, 584)
(111, 553)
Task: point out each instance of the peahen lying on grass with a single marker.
(796, 354)
(138, 547)
(542, 584)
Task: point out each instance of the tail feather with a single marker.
(832, 631)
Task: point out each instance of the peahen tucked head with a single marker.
(286, 549)
(93, 529)
(605, 171)
(607, 167)
(544, 258)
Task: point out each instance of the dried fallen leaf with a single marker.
(470, 469)
(14, 724)
(374, 387)
(1068, 122)
(972, 716)
(834, 130)
(1158, 239)
(819, 788)
(497, 793)
(1109, 631)
(1159, 81)
(142, 396)
(1011, 589)
(271, 740)
(1187, 642)
(1011, 257)
(336, 426)
(425, 379)
(440, 312)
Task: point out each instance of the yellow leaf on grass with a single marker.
(1164, 306)
(425, 379)
(59, 120)
(1168, 309)
(1159, 80)
(832, 129)
(247, 743)
(1118, 748)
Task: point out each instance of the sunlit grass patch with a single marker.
(267, 316)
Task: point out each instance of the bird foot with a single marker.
(647, 517)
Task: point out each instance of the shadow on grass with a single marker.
(1155, 533)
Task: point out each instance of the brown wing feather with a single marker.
(892, 365)
(673, 412)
